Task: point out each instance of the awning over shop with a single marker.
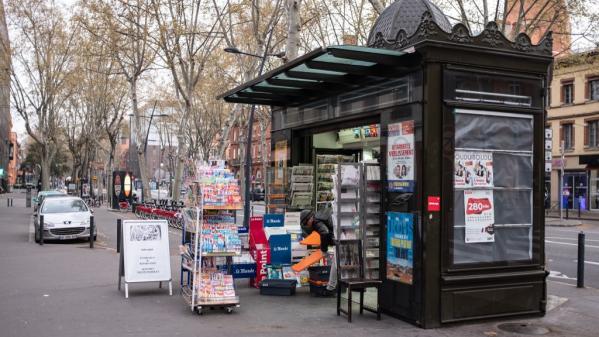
(321, 73)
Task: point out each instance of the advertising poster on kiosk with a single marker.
(479, 215)
(146, 251)
(473, 169)
(400, 157)
(280, 161)
(400, 247)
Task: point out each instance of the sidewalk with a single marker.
(67, 289)
(573, 215)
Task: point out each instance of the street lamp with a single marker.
(248, 145)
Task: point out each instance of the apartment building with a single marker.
(574, 118)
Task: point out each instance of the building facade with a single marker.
(6, 146)
(573, 118)
(260, 150)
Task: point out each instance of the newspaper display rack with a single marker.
(209, 241)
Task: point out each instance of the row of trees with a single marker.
(78, 71)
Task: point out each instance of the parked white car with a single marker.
(64, 218)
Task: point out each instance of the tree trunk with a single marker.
(176, 186)
(264, 151)
(377, 5)
(141, 156)
(109, 170)
(293, 29)
(45, 165)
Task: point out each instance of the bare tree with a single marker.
(125, 26)
(187, 36)
(42, 54)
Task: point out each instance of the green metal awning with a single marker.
(321, 73)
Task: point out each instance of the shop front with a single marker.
(456, 124)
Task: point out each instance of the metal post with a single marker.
(119, 231)
(12, 201)
(28, 198)
(248, 146)
(579, 200)
(41, 230)
(567, 209)
(91, 231)
(580, 273)
(7, 202)
(561, 184)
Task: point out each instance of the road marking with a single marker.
(563, 238)
(589, 262)
(569, 244)
(557, 274)
(572, 231)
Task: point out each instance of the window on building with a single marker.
(593, 89)
(592, 136)
(568, 93)
(567, 136)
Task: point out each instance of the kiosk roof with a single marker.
(321, 73)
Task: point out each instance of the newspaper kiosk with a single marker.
(461, 123)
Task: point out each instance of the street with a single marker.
(67, 289)
(561, 249)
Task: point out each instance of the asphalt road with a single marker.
(561, 249)
(65, 289)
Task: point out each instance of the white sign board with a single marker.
(548, 156)
(548, 134)
(146, 251)
(479, 212)
(292, 220)
(548, 167)
(548, 144)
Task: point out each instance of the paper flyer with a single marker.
(400, 157)
(473, 169)
(479, 212)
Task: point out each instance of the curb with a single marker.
(566, 223)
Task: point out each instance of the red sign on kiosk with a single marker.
(434, 204)
(259, 249)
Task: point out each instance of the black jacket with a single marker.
(323, 225)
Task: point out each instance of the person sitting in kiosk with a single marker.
(322, 224)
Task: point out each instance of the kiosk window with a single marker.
(492, 187)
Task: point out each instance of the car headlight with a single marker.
(48, 225)
(86, 221)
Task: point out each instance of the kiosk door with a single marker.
(401, 148)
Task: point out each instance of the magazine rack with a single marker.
(200, 264)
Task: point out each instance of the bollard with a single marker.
(580, 273)
(567, 208)
(578, 208)
(7, 202)
(119, 231)
(41, 230)
(91, 231)
(12, 202)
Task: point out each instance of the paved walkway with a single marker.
(67, 289)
